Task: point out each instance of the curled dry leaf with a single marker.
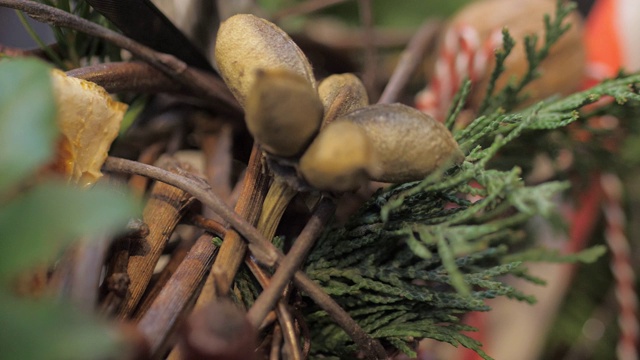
(408, 144)
(283, 112)
(246, 43)
(89, 121)
(563, 70)
(340, 158)
(340, 95)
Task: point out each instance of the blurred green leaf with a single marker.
(47, 330)
(27, 119)
(586, 256)
(36, 225)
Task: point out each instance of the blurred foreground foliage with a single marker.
(40, 218)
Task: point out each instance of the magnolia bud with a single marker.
(246, 43)
(340, 95)
(408, 144)
(340, 158)
(283, 112)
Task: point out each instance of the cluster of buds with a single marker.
(328, 132)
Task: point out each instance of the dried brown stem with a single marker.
(117, 280)
(370, 69)
(289, 332)
(291, 263)
(305, 8)
(265, 251)
(218, 149)
(158, 283)
(138, 184)
(77, 277)
(171, 303)
(410, 59)
(165, 207)
(276, 342)
(207, 224)
(198, 81)
(133, 76)
(275, 203)
(233, 247)
(282, 310)
(16, 52)
(304, 333)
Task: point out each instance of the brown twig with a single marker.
(370, 68)
(198, 81)
(234, 247)
(158, 282)
(304, 332)
(218, 150)
(291, 262)
(16, 52)
(117, 280)
(138, 184)
(291, 337)
(410, 59)
(265, 252)
(163, 211)
(282, 310)
(171, 303)
(133, 76)
(77, 277)
(305, 8)
(276, 342)
(262, 249)
(207, 224)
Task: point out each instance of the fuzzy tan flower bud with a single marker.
(246, 43)
(340, 158)
(408, 144)
(340, 95)
(283, 112)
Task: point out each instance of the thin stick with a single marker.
(282, 310)
(290, 264)
(117, 280)
(77, 277)
(289, 331)
(134, 76)
(276, 340)
(261, 248)
(411, 57)
(160, 281)
(199, 82)
(161, 317)
(162, 213)
(233, 247)
(202, 192)
(369, 72)
(305, 8)
(207, 224)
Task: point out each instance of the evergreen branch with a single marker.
(34, 35)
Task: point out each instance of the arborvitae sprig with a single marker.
(419, 255)
(74, 47)
(509, 97)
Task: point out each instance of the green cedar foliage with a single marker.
(418, 256)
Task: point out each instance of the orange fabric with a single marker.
(601, 39)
